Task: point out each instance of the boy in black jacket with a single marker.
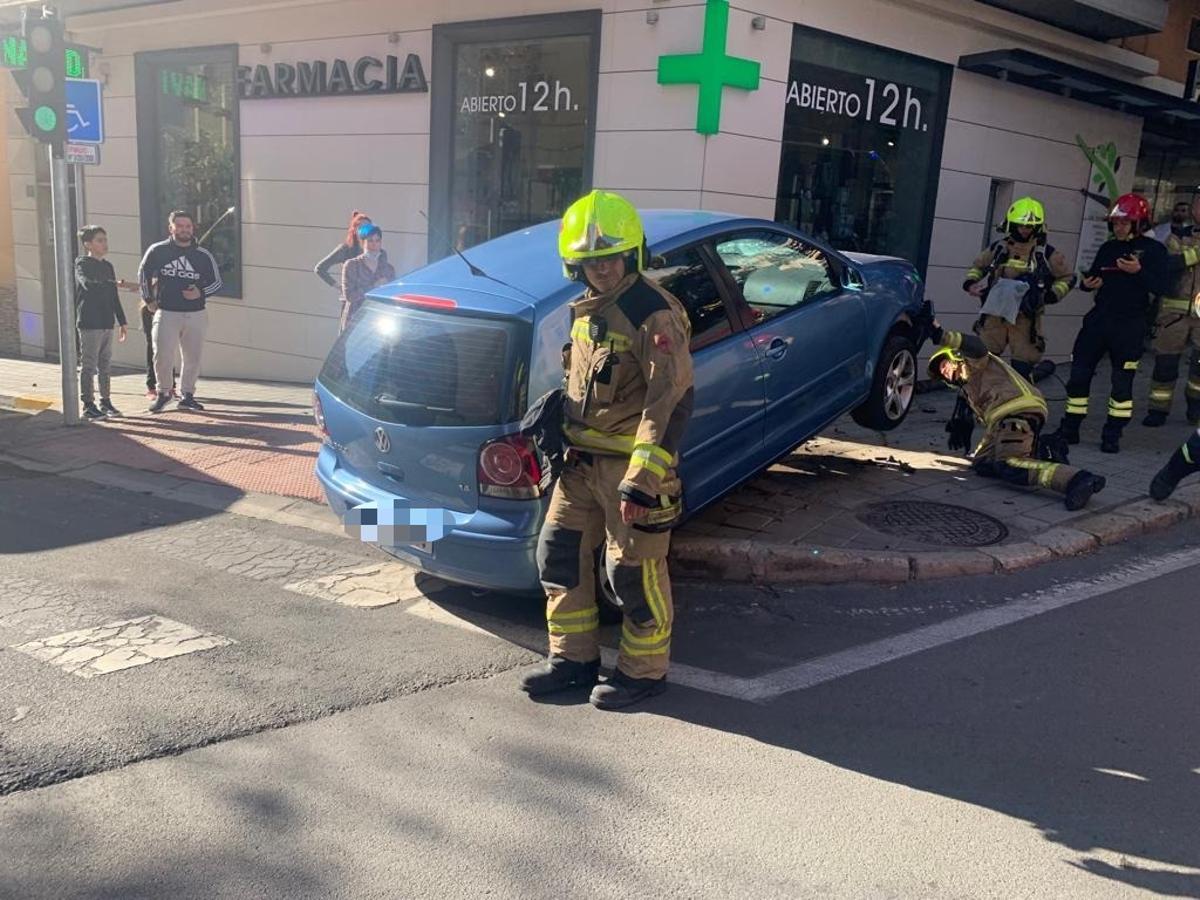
(177, 276)
(97, 307)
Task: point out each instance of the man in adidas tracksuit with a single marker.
(177, 276)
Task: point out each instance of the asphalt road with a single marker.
(1010, 736)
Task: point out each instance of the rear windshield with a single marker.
(422, 368)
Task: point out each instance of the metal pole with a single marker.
(65, 269)
(80, 197)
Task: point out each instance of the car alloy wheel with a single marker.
(899, 385)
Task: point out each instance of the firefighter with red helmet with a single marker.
(1128, 270)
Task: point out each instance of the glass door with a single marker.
(512, 140)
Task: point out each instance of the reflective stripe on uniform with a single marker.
(654, 596)
(1045, 470)
(1131, 366)
(1077, 406)
(974, 274)
(1177, 303)
(1161, 393)
(1061, 288)
(1193, 386)
(1028, 401)
(632, 645)
(1120, 409)
(591, 439)
(576, 622)
(652, 457)
(1191, 256)
(1186, 454)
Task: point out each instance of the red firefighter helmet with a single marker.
(1135, 207)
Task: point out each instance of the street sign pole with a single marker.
(65, 267)
(80, 196)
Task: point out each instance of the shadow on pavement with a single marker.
(1063, 721)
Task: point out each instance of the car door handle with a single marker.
(777, 349)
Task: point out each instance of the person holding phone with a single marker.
(176, 277)
(1128, 270)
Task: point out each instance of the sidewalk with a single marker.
(850, 505)
(855, 504)
(252, 437)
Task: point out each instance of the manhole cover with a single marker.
(933, 523)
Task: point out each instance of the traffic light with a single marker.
(43, 80)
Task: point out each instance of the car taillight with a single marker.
(319, 414)
(508, 467)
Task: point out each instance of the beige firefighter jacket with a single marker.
(629, 382)
(1022, 261)
(993, 388)
(1186, 284)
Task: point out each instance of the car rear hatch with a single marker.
(421, 382)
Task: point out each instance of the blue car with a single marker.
(420, 398)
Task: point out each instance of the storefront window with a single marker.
(1168, 171)
(862, 142)
(513, 139)
(188, 149)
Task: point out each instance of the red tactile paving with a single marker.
(267, 452)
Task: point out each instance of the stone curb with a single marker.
(718, 559)
(763, 562)
(26, 402)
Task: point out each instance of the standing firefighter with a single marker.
(1127, 270)
(1015, 279)
(1178, 323)
(628, 399)
(1013, 413)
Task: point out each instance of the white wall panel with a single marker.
(111, 196)
(387, 159)
(654, 160)
(328, 205)
(741, 165)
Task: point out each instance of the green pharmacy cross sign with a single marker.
(712, 68)
(14, 55)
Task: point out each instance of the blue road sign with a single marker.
(85, 112)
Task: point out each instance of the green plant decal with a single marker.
(1105, 160)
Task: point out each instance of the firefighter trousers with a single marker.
(1121, 340)
(584, 513)
(999, 335)
(1174, 331)
(1009, 452)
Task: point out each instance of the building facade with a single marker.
(876, 125)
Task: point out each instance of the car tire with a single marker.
(892, 388)
(606, 597)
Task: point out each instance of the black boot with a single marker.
(558, 673)
(1110, 435)
(1043, 370)
(1193, 411)
(621, 690)
(1069, 428)
(1169, 476)
(1080, 489)
(1156, 418)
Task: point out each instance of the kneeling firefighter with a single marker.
(627, 401)
(1013, 413)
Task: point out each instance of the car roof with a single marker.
(527, 261)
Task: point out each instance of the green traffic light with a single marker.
(45, 118)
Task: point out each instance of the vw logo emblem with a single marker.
(382, 441)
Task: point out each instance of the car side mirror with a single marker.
(851, 280)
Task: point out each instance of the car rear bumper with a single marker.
(486, 560)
